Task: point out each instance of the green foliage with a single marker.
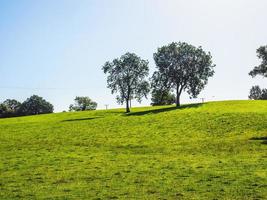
(182, 66)
(35, 105)
(162, 97)
(10, 108)
(262, 68)
(82, 104)
(12, 105)
(127, 77)
(257, 93)
(32, 106)
(3, 109)
(215, 150)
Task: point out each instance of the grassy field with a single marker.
(216, 150)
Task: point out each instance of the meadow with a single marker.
(214, 150)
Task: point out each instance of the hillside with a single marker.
(216, 150)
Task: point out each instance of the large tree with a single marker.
(83, 103)
(182, 67)
(262, 68)
(127, 77)
(35, 105)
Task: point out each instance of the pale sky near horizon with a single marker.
(56, 48)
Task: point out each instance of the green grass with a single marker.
(216, 150)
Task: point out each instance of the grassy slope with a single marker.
(201, 151)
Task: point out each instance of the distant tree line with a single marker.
(32, 106)
(35, 105)
(179, 67)
(256, 92)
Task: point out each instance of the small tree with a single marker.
(264, 94)
(182, 66)
(83, 103)
(12, 106)
(257, 93)
(262, 68)
(3, 110)
(126, 76)
(35, 105)
(162, 97)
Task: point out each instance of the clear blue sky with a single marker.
(56, 49)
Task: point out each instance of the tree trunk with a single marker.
(127, 106)
(178, 97)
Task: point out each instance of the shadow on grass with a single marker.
(155, 111)
(80, 119)
(263, 139)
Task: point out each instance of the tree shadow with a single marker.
(80, 119)
(263, 139)
(155, 111)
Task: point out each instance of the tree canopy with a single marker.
(11, 106)
(36, 105)
(257, 93)
(127, 77)
(262, 68)
(182, 67)
(83, 103)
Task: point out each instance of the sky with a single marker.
(56, 49)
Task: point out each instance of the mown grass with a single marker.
(216, 150)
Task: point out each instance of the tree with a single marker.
(35, 105)
(162, 97)
(264, 94)
(83, 103)
(3, 110)
(12, 106)
(262, 68)
(126, 76)
(257, 93)
(9, 108)
(182, 67)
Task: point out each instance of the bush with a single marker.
(257, 93)
(162, 98)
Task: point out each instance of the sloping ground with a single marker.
(216, 150)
